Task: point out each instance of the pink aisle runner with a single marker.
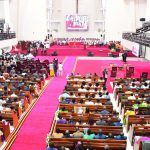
(33, 132)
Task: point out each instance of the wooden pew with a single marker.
(95, 143)
(77, 99)
(137, 119)
(71, 107)
(10, 117)
(105, 129)
(5, 128)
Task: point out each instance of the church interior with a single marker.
(74, 75)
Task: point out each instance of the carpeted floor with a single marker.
(75, 51)
(33, 132)
(92, 66)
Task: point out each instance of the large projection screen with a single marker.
(76, 22)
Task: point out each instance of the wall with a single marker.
(13, 5)
(148, 11)
(29, 19)
(8, 43)
(123, 17)
(61, 8)
(127, 44)
(2, 11)
(147, 55)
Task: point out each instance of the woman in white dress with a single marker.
(60, 69)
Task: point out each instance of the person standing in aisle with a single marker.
(60, 69)
(105, 75)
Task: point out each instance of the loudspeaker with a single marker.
(142, 19)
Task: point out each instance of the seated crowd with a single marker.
(86, 119)
(87, 41)
(21, 81)
(133, 96)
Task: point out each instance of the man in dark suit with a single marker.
(124, 56)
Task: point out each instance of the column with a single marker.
(148, 11)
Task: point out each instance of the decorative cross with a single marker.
(77, 2)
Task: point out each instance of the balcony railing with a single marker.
(134, 37)
(6, 36)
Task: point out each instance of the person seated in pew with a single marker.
(117, 123)
(78, 75)
(72, 95)
(67, 134)
(141, 96)
(81, 101)
(128, 92)
(2, 102)
(70, 121)
(89, 135)
(78, 133)
(98, 95)
(145, 86)
(132, 97)
(133, 86)
(82, 89)
(108, 103)
(57, 134)
(61, 120)
(147, 112)
(76, 84)
(110, 136)
(101, 122)
(100, 135)
(101, 79)
(13, 95)
(98, 102)
(106, 147)
(73, 101)
(9, 100)
(79, 122)
(78, 145)
(91, 122)
(89, 102)
(63, 95)
(88, 79)
(63, 148)
(106, 95)
(104, 90)
(51, 146)
(104, 112)
(120, 137)
(128, 113)
(63, 109)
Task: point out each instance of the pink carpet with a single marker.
(92, 66)
(33, 132)
(78, 51)
(50, 58)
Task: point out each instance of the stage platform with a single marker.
(66, 50)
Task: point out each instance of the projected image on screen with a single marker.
(77, 22)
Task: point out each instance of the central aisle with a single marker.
(32, 135)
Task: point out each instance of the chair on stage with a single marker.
(114, 69)
(144, 75)
(131, 70)
(110, 66)
(128, 74)
(113, 74)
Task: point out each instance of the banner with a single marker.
(77, 23)
(136, 49)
